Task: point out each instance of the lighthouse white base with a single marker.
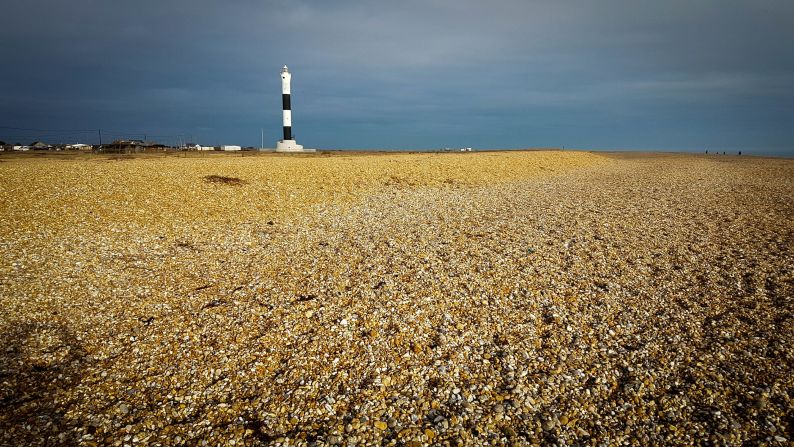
(288, 146)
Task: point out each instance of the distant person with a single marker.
(723, 152)
(707, 151)
(740, 152)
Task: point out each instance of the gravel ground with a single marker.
(455, 299)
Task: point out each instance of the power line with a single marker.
(48, 130)
(81, 131)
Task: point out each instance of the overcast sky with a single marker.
(607, 74)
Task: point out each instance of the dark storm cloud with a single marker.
(411, 74)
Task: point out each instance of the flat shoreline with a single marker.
(327, 152)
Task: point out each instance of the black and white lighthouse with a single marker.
(288, 144)
(285, 101)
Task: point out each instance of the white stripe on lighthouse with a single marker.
(287, 118)
(285, 78)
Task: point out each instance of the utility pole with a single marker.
(100, 136)
(262, 145)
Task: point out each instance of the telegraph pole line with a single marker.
(100, 136)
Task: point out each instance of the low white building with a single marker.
(21, 148)
(231, 148)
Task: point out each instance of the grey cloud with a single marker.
(615, 73)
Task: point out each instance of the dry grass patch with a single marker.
(234, 181)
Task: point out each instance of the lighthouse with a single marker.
(288, 144)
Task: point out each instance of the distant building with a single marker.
(39, 146)
(231, 148)
(198, 147)
(123, 146)
(21, 148)
(78, 147)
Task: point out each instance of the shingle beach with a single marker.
(493, 298)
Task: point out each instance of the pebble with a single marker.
(364, 299)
